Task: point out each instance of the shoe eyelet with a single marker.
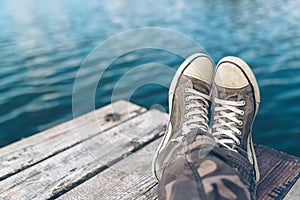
(239, 133)
(186, 116)
(238, 143)
(243, 102)
(187, 98)
(186, 89)
(242, 113)
(240, 123)
(187, 107)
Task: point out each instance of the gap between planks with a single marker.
(77, 166)
(279, 172)
(131, 178)
(30, 151)
(58, 174)
(127, 179)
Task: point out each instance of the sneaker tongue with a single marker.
(228, 94)
(200, 86)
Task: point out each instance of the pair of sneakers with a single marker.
(230, 95)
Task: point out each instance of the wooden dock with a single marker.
(107, 154)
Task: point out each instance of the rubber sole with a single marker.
(251, 77)
(172, 89)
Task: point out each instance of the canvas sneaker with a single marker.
(189, 104)
(235, 102)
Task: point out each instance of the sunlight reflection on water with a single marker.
(43, 43)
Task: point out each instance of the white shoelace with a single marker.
(228, 136)
(198, 110)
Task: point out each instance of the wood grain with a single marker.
(279, 172)
(107, 154)
(59, 173)
(294, 193)
(130, 178)
(27, 152)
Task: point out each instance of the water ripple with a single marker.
(42, 45)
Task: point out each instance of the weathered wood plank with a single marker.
(150, 194)
(75, 158)
(294, 193)
(29, 151)
(131, 178)
(279, 172)
(119, 184)
(65, 170)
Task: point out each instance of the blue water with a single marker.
(42, 44)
